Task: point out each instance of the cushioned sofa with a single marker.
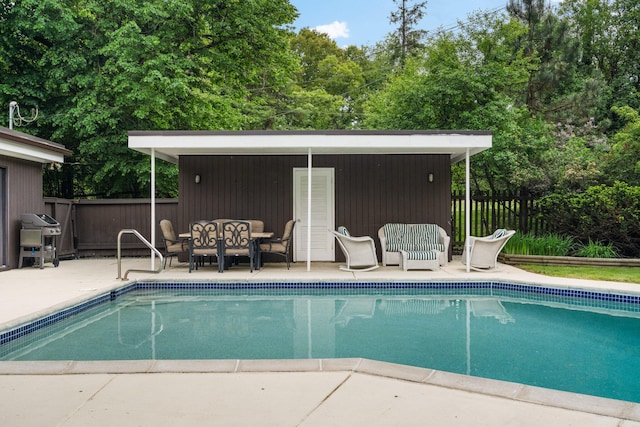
(414, 239)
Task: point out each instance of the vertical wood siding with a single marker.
(24, 195)
(370, 190)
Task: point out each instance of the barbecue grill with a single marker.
(38, 238)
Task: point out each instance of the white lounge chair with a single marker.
(484, 251)
(360, 252)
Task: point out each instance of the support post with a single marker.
(309, 175)
(153, 205)
(467, 213)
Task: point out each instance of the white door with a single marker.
(322, 214)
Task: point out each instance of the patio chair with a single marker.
(282, 245)
(360, 252)
(237, 242)
(173, 245)
(204, 242)
(484, 251)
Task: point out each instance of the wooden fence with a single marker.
(515, 211)
(90, 227)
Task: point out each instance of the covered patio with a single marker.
(321, 179)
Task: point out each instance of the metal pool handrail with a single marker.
(147, 244)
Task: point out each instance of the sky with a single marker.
(366, 22)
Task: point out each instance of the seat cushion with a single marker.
(421, 255)
(273, 247)
(176, 247)
(394, 234)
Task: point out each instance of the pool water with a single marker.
(559, 345)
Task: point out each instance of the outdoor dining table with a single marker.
(256, 238)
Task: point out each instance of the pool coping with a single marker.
(620, 409)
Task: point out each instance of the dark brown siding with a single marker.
(370, 190)
(24, 195)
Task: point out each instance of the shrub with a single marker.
(597, 250)
(550, 245)
(607, 214)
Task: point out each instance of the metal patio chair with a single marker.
(281, 246)
(237, 242)
(204, 242)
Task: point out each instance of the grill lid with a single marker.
(31, 220)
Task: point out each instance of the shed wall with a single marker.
(370, 190)
(23, 195)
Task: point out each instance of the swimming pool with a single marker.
(527, 334)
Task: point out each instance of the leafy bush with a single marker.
(550, 245)
(597, 250)
(607, 214)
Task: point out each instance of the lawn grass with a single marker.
(612, 274)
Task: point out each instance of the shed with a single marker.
(360, 179)
(22, 157)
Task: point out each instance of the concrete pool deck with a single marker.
(310, 392)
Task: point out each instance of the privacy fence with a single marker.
(514, 211)
(91, 227)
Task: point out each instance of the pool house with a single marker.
(359, 179)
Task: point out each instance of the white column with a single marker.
(153, 206)
(467, 211)
(309, 170)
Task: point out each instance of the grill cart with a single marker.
(38, 238)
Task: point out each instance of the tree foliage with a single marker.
(603, 213)
(98, 69)
(407, 37)
(623, 161)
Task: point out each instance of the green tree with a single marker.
(98, 69)
(469, 81)
(333, 78)
(576, 161)
(609, 31)
(406, 18)
(553, 51)
(623, 162)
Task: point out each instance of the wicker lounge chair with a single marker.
(360, 252)
(484, 251)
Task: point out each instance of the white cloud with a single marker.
(335, 30)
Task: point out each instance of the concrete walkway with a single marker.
(310, 392)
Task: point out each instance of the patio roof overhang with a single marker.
(28, 147)
(170, 145)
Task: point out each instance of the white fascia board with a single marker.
(170, 146)
(26, 152)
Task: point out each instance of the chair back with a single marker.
(257, 225)
(167, 230)
(288, 231)
(204, 235)
(236, 237)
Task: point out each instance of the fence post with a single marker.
(523, 214)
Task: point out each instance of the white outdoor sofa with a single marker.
(414, 245)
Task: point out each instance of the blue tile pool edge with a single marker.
(600, 299)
